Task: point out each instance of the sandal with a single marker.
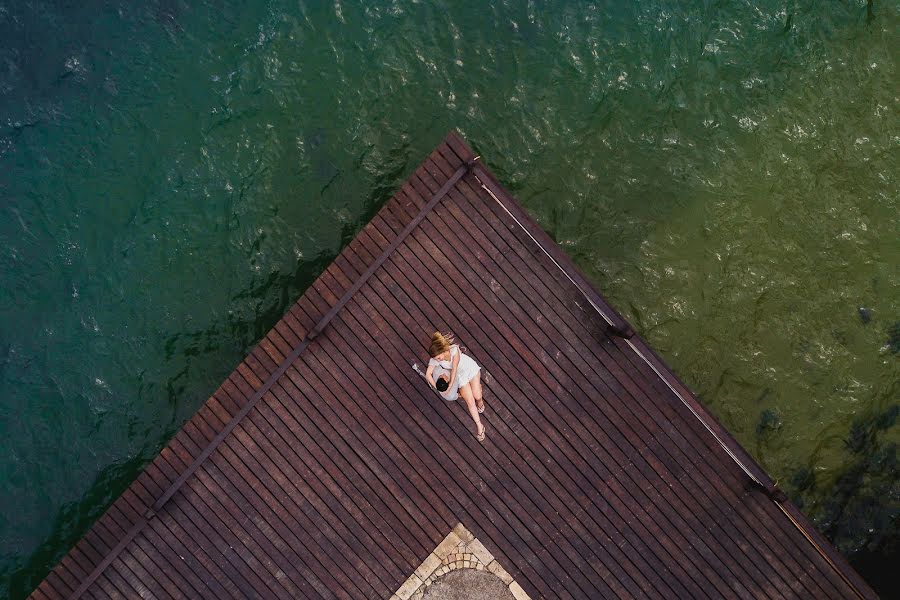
(480, 407)
(480, 436)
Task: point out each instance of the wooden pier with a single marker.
(325, 467)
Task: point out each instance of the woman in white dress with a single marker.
(465, 376)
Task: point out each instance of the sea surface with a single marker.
(173, 174)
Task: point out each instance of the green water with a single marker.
(174, 174)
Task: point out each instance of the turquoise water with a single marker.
(173, 175)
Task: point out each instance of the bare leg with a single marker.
(475, 382)
(466, 392)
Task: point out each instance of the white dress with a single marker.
(466, 370)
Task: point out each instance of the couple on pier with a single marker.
(452, 373)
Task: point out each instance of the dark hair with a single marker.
(442, 384)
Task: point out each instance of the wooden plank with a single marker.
(86, 555)
(302, 516)
(167, 547)
(128, 577)
(375, 531)
(147, 568)
(186, 532)
(263, 561)
(70, 571)
(330, 483)
(228, 479)
(205, 553)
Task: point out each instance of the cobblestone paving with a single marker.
(460, 567)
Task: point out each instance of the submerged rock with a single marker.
(887, 418)
(769, 421)
(803, 479)
(861, 435)
(893, 341)
(865, 314)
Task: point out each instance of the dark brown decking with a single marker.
(341, 470)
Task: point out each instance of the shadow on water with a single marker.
(108, 485)
(859, 510)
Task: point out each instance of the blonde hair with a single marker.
(440, 343)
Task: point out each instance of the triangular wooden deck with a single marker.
(324, 466)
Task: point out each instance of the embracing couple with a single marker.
(454, 374)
